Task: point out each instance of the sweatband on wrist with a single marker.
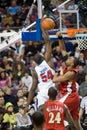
(60, 37)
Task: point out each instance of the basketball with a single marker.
(48, 24)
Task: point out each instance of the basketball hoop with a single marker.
(80, 36)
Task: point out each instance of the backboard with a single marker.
(68, 19)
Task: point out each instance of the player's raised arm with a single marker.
(61, 44)
(47, 43)
(48, 50)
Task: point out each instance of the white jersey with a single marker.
(45, 74)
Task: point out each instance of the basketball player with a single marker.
(67, 83)
(42, 73)
(56, 112)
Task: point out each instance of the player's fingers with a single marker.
(58, 34)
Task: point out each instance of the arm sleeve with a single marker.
(29, 121)
(18, 121)
(6, 118)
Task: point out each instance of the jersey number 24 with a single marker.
(54, 118)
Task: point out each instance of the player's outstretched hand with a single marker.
(44, 33)
(58, 34)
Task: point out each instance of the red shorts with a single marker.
(73, 103)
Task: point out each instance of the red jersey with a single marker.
(54, 115)
(68, 94)
(68, 86)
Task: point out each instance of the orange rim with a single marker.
(72, 32)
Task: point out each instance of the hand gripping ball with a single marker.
(48, 24)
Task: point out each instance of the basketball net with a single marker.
(80, 36)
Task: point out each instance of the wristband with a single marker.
(60, 37)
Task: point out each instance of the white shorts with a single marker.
(42, 97)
